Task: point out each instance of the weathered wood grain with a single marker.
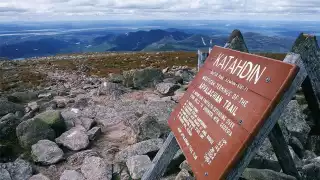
(308, 48)
(271, 121)
(162, 159)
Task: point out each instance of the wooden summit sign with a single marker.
(224, 108)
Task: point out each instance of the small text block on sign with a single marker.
(224, 107)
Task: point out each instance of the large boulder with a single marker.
(138, 165)
(46, 152)
(7, 107)
(293, 123)
(8, 124)
(311, 171)
(186, 74)
(4, 174)
(264, 174)
(95, 168)
(115, 78)
(31, 131)
(54, 120)
(18, 170)
(146, 127)
(22, 97)
(141, 148)
(142, 78)
(72, 175)
(75, 139)
(167, 89)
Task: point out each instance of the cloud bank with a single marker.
(158, 9)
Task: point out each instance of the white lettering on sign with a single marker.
(241, 68)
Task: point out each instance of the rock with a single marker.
(61, 104)
(46, 95)
(264, 174)
(292, 121)
(19, 114)
(311, 171)
(87, 123)
(301, 99)
(297, 161)
(185, 165)
(140, 148)
(39, 177)
(46, 152)
(75, 139)
(22, 97)
(174, 80)
(72, 175)
(94, 168)
(184, 175)
(146, 127)
(31, 131)
(8, 124)
(78, 158)
(112, 90)
(266, 151)
(47, 106)
(4, 174)
(165, 70)
(167, 88)
(138, 165)
(142, 78)
(175, 163)
(185, 74)
(308, 155)
(81, 103)
(177, 95)
(94, 133)
(54, 120)
(314, 144)
(33, 106)
(116, 78)
(259, 162)
(7, 107)
(19, 169)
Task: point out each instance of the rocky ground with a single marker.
(74, 119)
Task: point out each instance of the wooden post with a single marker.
(307, 47)
(276, 137)
(269, 124)
(162, 159)
(202, 56)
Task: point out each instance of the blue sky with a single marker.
(42, 10)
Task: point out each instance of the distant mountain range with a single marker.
(13, 47)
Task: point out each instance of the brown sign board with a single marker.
(224, 107)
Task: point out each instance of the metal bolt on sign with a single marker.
(268, 79)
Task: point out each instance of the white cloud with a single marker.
(158, 9)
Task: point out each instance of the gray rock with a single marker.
(7, 107)
(185, 74)
(72, 175)
(259, 162)
(185, 165)
(54, 119)
(74, 139)
(81, 103)
(266, 151)
(293, 123)
(94, 168)
(116, 78)
(4, 174)
(264, 174)
(311, 171)
(46, 152)
(33, 105)
(146, 127)
(78, 158)
(19, 169)
(46, 95)
(174, 80)
(138, 165)
(87, 123)
(142, 78)
(39, 177)
(22, 97)
(297, 161)
(8, 124)
(314, 144)
(184, 175)
(167, 89)
(296, 146)
(308, 155)
(140, 148)
(31, 131)
(94, 133)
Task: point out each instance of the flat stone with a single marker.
(167, 88)
(138, 165)
(46, 152)
(71, 175)
(7, 107)
(75, 139)
(94, 168)
(140, 148)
